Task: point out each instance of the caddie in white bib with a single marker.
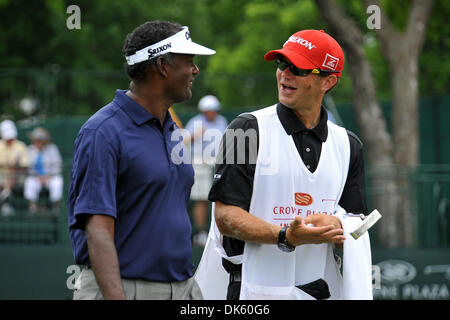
(276, 220)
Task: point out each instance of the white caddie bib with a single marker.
(284, 188)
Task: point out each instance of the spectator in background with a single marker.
(203, 162)
(45, 170)
(13, 163)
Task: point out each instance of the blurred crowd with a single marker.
(32, 173)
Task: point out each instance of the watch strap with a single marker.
(283, 244)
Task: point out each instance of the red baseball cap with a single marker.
(310, 49)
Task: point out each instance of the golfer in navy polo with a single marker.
(128, 197)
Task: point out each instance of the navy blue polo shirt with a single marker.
(123, 167)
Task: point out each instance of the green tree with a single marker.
(76, 71)
(387, 152)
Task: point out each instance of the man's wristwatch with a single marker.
(283, 245)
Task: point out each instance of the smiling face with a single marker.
(295, 91)
(182, 73)
(300, 92)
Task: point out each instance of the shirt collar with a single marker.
(136, 112)
(292, 124)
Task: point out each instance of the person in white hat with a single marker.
(13, 163)
(206, 130)
(45, 170)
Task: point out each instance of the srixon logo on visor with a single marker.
(153, 52)
(303, 199)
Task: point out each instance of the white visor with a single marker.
(180, 42)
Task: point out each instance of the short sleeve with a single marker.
(55, 160)
(233, 179)
(93, 177)
(24, 159)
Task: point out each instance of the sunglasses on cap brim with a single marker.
(282, 65)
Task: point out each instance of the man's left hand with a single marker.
(321, 219)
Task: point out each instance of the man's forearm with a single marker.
(105, 263)
(235, 222)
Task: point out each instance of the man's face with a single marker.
(210, 114)
(296, 91)
(39, 144)
(182, 73)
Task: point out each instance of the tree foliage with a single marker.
(76, 68)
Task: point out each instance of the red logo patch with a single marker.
(303, 199)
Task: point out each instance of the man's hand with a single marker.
(319, 220)
(235, 222)
(44, 179)
(326, 229)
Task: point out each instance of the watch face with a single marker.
(285, 248)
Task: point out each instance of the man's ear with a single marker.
(162, 67)
(329, 82)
